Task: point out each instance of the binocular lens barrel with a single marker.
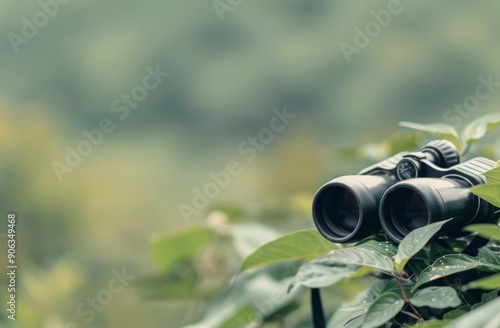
(402, 193)
(414, 203)
(346, 209)
(341, 207)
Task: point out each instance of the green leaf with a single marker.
(245, 314)
(386, 248)
(385, 307)
(314, 275)
(247, 237)
(458, 245)
(488, 283)
(414, 242)
(349, 317)
(432, 324)
(377, 289)
(478, 128)
(493, 175)
(417, 266)
(352, 315)
(440, 130)
(486, 297)
(485, 316)
(170, 248)
(490, 231)
(489, 256)
(345, 263)
(295, 246)
(282, 313)
(393, 286)
(450, 264)
(259, 291)
(366, 255)
(436, 298)
(488, 192)
(453, 314)
(438, 248)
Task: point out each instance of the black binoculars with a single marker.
(402, 193)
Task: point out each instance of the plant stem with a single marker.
(410, 315)
(407, 301)
(465, 150)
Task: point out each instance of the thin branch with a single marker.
(465, 150)
(410, 315)
(407, 301)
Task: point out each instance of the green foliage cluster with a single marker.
(249, 275)
(423, 283)
(471, 134)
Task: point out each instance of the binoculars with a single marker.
(404, 192)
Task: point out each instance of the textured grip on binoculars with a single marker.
(476, 166)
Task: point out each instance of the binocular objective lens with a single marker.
(346, 208)
(409, 211)
(341, 211)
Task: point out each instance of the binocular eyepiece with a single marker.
(402, 193)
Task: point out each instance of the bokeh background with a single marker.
(225, 78)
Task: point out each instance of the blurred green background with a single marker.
(225, 79)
